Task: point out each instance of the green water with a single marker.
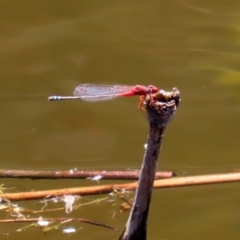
(49, 47)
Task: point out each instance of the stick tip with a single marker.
(161, 106)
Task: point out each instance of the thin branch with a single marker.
(72, 174)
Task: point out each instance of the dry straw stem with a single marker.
(105, 189)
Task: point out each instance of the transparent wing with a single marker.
(98, 98)
(100, 92)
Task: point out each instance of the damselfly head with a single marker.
(152, 89)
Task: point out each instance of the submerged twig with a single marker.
(17, 220)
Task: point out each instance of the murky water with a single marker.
(48, 48)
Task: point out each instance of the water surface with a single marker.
(48, 48)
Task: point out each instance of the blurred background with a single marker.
(50, 47)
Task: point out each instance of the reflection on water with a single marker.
(49, 48)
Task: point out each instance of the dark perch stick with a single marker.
(160, 110)
(71, 174)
